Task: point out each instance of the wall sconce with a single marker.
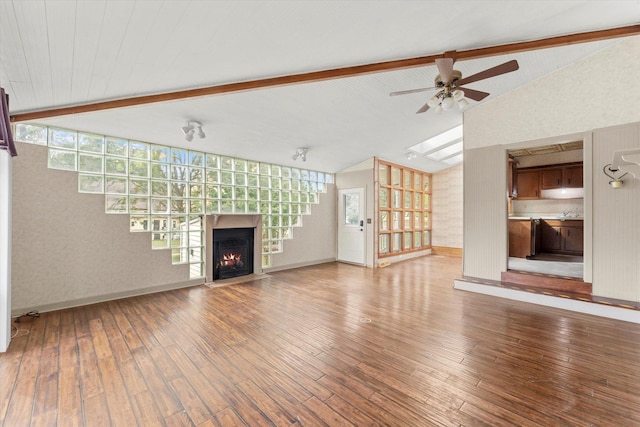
(190, 128)
(301, 153)
(616, 182)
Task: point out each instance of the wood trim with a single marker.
(444, 250)
(335, 73)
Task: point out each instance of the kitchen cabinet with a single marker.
(528, 184)
(572, 177)
(519, 238)
(562, 237)
(565, 177)
(551, 178)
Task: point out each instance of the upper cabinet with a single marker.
(530, 182)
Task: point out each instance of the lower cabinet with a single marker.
(562, 237)
(519, 238)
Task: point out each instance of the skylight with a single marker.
(444, 139)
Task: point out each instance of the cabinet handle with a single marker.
(569, 181)
(569, 232)
(558, 181)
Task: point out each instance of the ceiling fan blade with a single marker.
(424, 108)
(445, 68)
(507, 67)
(404, 92)
(476, 95)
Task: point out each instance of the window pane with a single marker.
(116, 185)
(408, 179)
(351, 208)
(397, 242)
(32, 134)
(417, 182)
(384, 197)
(90, 183)
(384, 220)
(426, 183)
(62, 159)
(138, 168)
(383, 172)
(90, 163)
(397, 199)
(160, 154)
(60, 138)
(417, 200)
(396, 220)
(91, 143)
(117, 147)
(417, 239)
(395, 177)
(407, 220)
(384, 244)
(115, 166)
(139, 150)
(407, 199)
(408, 241)
(116, 204)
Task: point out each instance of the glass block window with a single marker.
(404, 208)
(166, 191)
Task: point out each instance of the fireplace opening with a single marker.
(232, 252)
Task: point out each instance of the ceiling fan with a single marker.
(450, 83)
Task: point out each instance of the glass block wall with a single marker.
(167, 191)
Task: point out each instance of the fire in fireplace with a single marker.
(232, 252)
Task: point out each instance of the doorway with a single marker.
(351, 234)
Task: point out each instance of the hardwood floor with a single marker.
(331, 345)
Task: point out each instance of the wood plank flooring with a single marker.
(326, 345)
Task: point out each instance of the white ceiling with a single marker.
(64, 52)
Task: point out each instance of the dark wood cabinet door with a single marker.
(572, 177)
(573, 239)
(519, 238)
(528, 184)
(551, 178)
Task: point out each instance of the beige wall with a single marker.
(534, 115)
(315, 241)
(67, 251)
(447, 206)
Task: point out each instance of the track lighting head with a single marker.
(190, 128)
(301, 153)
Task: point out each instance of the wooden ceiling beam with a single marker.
(336, 73)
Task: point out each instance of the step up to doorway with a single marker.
(545, 281)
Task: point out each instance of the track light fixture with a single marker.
(301, 153)
(190, 129)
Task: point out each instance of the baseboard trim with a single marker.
(594, 309)
(445, 250)
(297, 265)
(108, 297)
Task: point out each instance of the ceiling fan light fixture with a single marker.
(433, 101)
(438, 109)
(458, 95)
(463, 103)
(448, 103)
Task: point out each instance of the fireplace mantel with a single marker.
(221, 221)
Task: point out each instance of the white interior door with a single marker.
(351, 220)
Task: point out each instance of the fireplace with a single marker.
(218, 227)
(232, 252)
